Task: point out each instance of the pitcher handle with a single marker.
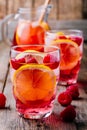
(4, 29)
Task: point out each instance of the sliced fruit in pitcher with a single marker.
(70, 53)
(34, 82)
(23, 32)
(45, 25)
(26, 33)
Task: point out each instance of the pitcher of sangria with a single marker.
(24, 26)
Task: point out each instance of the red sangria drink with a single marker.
(70, 43)
(34, 75)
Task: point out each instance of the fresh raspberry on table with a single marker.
(64, 98)
(73, 91)
(2, 100)
(68, 114)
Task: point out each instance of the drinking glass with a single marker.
(70, 43)
(34, 74)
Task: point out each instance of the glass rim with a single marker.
(65, 30)
(26, 9)
(13, 48)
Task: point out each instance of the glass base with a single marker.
(35, 115)
(35, 110)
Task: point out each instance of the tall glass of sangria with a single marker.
(34, 75)
(70, 43)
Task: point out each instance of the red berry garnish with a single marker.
(62, 37)
(30, 59)
(16, 63)
(64, 99)
(73, 91)
(78, 40)
(51, 61)
(2, 100)
(68, 114)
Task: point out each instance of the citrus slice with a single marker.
(61, 35)
(23, 32)
(70, 53)
(34, 82)
(27, 33)
(24, 53)
(31, 54)
(45, 25)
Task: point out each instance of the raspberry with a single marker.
(78, 40)
(51, 61)
(68, 114)
(62, 37)
(17, 63)
(30, 59)
(64, 99)
(73, 91)
(2, 100)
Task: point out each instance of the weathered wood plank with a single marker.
(4, 58)
(9, 119)
(2, 8)
(13, 5)
(83, 72)
(81, 107)
(16, 122)
(70, 9)
(51, 123)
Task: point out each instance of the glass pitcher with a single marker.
(24, 28)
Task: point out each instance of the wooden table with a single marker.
(10, 120)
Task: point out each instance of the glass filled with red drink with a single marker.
(34, 75)
(70, 43)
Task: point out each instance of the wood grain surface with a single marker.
(9, 118)
(62, 9)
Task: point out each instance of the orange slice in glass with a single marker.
(34, 82)
(70, 53)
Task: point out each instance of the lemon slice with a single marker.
(66, 41)
(45, 25)
(70, 53)
(35, 54)
(24, 53)
(60, 34)
(34, 82)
